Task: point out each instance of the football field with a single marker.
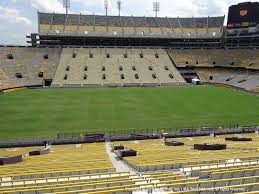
(47, 112)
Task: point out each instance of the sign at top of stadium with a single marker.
(243, 13)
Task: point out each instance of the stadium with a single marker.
(105, 104)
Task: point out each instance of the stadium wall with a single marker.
(233, 87)
(79, 139)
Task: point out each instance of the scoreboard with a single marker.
(243, 15)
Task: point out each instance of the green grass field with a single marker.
(45, 113)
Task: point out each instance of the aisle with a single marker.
(118, 164)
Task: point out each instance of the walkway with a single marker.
(117, 163)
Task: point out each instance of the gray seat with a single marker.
(215, 176)
(256, 173)
(234, 182)
(227, 175)
(237, 174)
(220, 184)
(255, 188)
(248, 173)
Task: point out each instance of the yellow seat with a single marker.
(57, 27)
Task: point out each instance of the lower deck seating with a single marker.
(244, 58)
(101, 67)
(154, 155)
(246, 79)
(115, 67)
(28, 64)
(62, 161)
(87, 169)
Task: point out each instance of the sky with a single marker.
(18, 18)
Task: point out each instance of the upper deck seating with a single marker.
(59, 21)
(212, 26)
(175, 24)
(187, 25)
(201, 25)
(86, 23)
(215, 24)
(45, 20)
(127, 23)
(114, 24)
(141, 24)
(165, 25)
(72, 22)
(101, 23)
(153, 25)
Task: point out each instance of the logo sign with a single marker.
(245, 24)
(243, 13)
(253, 24)
(231, 25)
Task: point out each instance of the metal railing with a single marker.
(133, 134)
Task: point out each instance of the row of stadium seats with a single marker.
(134, 183)
(97, 183)
(247, 58)
(27, 66)
(129, 24)
(153, 155)
(234, 171)
(196, 169)
(201, 189)
(79, 67)
(247, 79)
(123, 182)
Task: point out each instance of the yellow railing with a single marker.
(14, 89)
